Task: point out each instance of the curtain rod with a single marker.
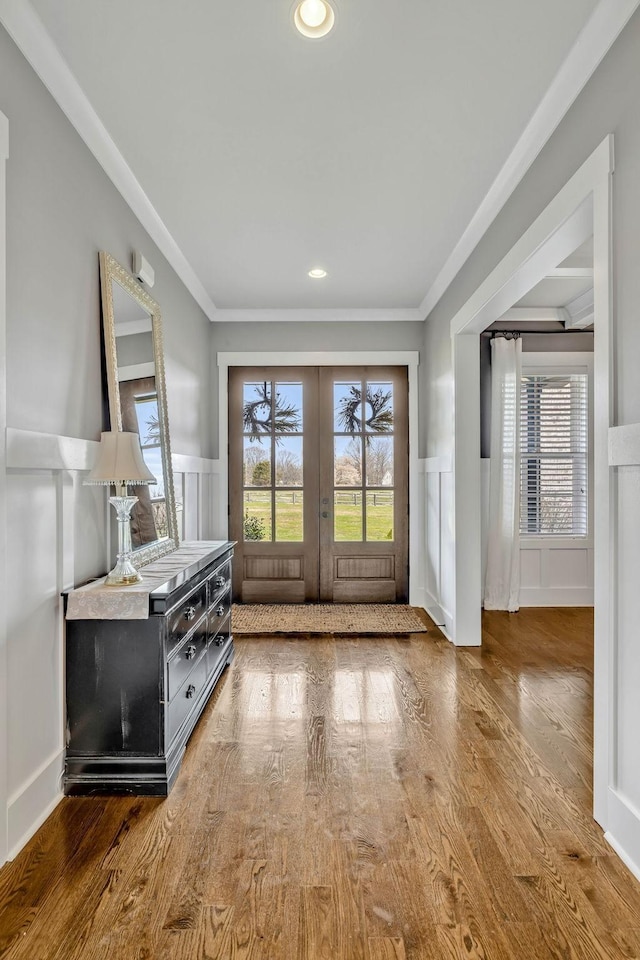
(515, 334)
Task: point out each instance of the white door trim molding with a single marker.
(582, 207)
(4, 798)
(364, 358)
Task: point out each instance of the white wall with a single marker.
(4, 152)
(61, 209)
(608, 104)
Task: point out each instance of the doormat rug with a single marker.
(358, 618)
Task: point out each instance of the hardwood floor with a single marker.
(352, 799)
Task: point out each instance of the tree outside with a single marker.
(261, 474)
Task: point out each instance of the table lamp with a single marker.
(120, 462)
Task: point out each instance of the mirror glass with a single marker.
(137, 402)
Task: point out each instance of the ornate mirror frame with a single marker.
(112, 272)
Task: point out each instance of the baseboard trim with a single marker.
(623, 833)
(621, 852)
(434, 609)
(556, 597)
(30, 806)
(442, 619)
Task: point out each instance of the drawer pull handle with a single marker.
(220, 581)
(220, 641)
(191, 692)
(191, 652)
(189, 613)
(220, 612)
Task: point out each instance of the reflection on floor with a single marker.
(352, 799)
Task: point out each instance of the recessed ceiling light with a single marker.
(317, 273)
(314, 18)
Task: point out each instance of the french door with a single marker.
(318, 484)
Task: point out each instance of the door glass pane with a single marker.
(288, 408)
(379, 515)
(257, 515)
(347, 407)
(289, 462)
(289, 516)
(256, 408)
(347, 513)
(379, 461)
(257, 463)
(378, 408)
(347, 461)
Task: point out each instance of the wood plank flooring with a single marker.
(352, 799)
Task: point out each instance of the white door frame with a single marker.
(364, 358)
(4, 735)
(582, 208)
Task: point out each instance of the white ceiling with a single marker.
(265, 154)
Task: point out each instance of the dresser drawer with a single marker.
(185, 699)
(219, 612)
(218, 647)
(220, 581)
(181, 620)
(183, 661)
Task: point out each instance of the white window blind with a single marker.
(554, 455)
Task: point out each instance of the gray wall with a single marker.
(61, 210)
(228, 337)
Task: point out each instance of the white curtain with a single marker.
(502, 583)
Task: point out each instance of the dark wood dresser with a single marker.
(138, 678)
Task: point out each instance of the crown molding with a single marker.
(581, 311)
(534, 315)
(311, 315)
(595, 39)
(570, 273)
(28, 32)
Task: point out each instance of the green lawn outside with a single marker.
(348, 516)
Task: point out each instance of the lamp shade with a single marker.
(120, 461)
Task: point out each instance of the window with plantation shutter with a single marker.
(554, 455)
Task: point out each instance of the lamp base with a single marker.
(124, 573)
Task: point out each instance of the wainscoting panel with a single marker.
(32, 608)
(556, 576)
(623, 806)
(197, 485)
(439, 560)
